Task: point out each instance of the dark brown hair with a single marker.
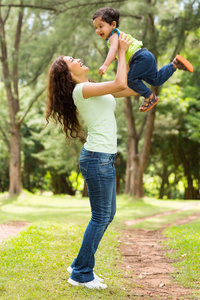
(108, 15)
(60, 104)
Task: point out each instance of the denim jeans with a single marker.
(99, 173)
(143, 67)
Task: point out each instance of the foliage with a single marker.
(175, 148)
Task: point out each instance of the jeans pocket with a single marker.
(105, 165)
(83, 166)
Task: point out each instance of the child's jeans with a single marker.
(99, 173)
(143, 67)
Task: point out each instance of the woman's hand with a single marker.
(124, 42)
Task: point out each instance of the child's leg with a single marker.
(143, 67)
(157, 78)
(140, 65)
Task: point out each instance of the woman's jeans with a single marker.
(143, 67)
(99, 173)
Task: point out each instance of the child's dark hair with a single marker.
(108, 15)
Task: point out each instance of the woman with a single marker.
(70, 93)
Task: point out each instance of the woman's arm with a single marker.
(125, 93)
(111, 54)
(120, 83)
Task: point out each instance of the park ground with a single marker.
(150, 251)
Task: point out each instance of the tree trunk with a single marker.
(15, 186)
(10, 78)
(188, 159)
(136, 162)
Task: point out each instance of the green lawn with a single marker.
(33, 263)
(185, 240)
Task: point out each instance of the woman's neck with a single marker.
(81, 79)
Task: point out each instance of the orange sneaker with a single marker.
(182, 64)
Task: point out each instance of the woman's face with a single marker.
(76, 67)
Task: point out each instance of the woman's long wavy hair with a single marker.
(60, 104)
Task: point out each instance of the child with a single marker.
(141, 62)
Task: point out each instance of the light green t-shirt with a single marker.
(132, 47)
(98, 115)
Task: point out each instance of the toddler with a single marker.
(141, 62)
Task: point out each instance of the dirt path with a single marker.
(184, 208)
(11, 229)
(146, 266)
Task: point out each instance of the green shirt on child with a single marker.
(132, 48)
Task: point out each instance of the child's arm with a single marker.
(91, 89)
(111, 54)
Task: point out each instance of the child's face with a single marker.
(103, 29)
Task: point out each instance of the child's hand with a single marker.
(124, 42)
(103, 69)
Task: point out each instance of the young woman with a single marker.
(70, 93)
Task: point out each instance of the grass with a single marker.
(185, 239)
(33, 263)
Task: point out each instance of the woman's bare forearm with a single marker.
(125, 93)
(121, 76)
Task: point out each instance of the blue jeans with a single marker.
(99, 173)
(143, 67)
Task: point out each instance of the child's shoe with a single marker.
(182, 64)
(148, 103)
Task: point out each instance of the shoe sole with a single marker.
(185, 62)
(148, 108)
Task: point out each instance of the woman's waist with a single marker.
(96, 153)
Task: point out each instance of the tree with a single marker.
(156, 30)
(10, 77)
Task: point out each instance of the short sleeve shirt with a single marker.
(98, 115)
(132, 47)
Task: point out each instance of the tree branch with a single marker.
(131, 16)
(31, 104)
(28, 6)
(4, 55)
(142, 127)
(92, 4)
(44, 64)
(16, 54)
(6, 16)
(54, 9)
(5, 138)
